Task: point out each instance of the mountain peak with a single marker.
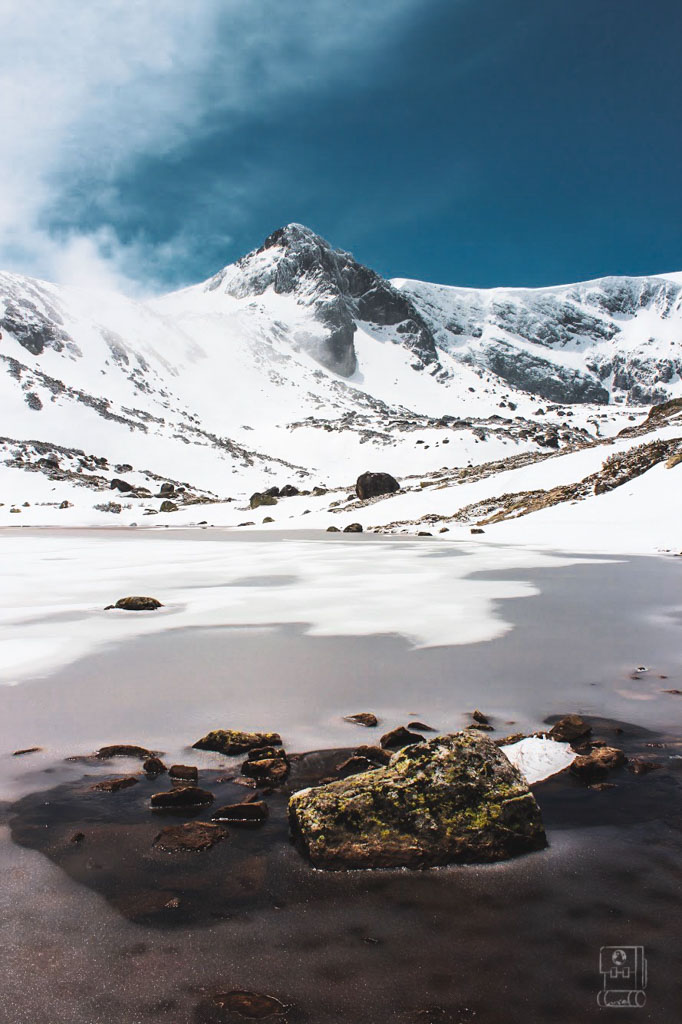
(293, 236)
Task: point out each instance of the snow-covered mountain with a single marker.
(299, 365)
(613, 339)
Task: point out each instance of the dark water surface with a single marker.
(85, 934)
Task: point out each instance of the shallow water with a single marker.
(514, 942)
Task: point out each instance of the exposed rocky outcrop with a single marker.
(340, 291)
(453, 799)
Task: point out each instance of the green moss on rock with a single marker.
(453, 799)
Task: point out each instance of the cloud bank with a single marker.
(88, 90)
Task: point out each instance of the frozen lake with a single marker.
(291, 634)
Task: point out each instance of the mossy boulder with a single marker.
(259, 498)
(233, 741)
(456, 798)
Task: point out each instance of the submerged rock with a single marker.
(249, 1005)
(371, 485)
(135, 604)
(453, 799)
(642, 766)
(114, 785)
(233, 741)
(194, 836)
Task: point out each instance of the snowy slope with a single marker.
(298, 365)
(610, 339)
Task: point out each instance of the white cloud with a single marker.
(88, 89)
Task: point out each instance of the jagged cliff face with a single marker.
(339, 292)
(614, 338)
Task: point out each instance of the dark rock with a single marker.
(27, 750)
(259, 499)
(453, 799)
(136, 604)
(365, 718)
(77, 837)
(319, 491)
(353, 528)
(479, 717)
(166, 490)
(642, 766)
(193, 836)
(168, 506)
(249, 1005)
(268, 519)
(114, 785)
(333, 529)
(371, 485)
(120, 485)
(233, 741)
(183, 796)
(270, 771)
(66, 504)
(124, 750)
(421, 726)
(353, 766)
(400, 737)
(476, 529)
(249, 812)
(272, 492)
(569, 728)
(184, 771)
(153, 766)
(598, 763)
(261, 753)
(375, 754)
(288, 491)
(424, 533)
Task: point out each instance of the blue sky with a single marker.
(474, 142)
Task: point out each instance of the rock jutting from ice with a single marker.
(233, 741)
(135, 604)
(366, 718)
(455, 798)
